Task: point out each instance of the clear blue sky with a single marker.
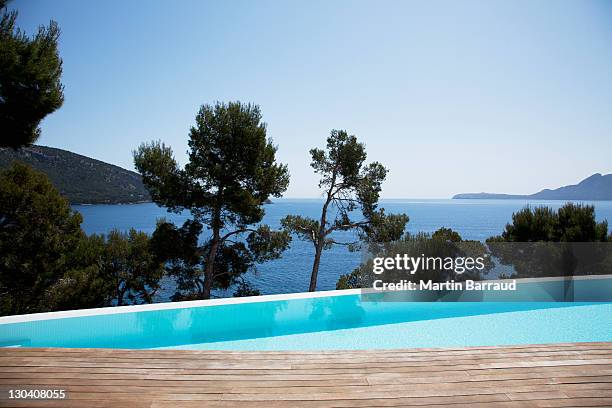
(496, 96)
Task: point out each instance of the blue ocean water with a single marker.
(473, 219)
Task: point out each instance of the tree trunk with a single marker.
(320, 242)
(209, 271)
(119, 293)
(315, 267)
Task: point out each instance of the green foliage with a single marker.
(116, 270)
(544, 242)
(30, 87)
(232, 171)
(85, 285)
(443, 243)
(47, 262)
(265, 244)
(383, 227)
(349, 185)
(350, 280)
(571, 223)
(446, 234)
(178, 247)
(166, 183)
(82, 180)
(243, 289)
(37, 230)
(306, 229)
(130, 266)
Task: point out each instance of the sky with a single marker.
(452, 97)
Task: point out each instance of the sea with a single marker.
(473, 219)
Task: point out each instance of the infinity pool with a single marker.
(334, 320)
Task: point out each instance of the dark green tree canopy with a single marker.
(117, 269)
(83, 286)
(48, 263)
(130, 267)
(232, 171)
(30, 87)
(446, 234)
(571, 223)
(350, 187)
(38, 230)
(543, 242)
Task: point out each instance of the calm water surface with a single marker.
(473, 219)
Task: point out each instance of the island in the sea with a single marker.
(81, 179)
(593, 188)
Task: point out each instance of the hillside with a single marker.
(82, 180)
(595, 187)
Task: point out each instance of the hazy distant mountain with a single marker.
(596, 187)
(82, 180)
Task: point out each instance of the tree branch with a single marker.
(344, 243)
(346, 226)
(238, 231)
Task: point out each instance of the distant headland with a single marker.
(593, 188)
(81, 179)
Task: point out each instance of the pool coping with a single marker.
(231, 301)
(172, 305)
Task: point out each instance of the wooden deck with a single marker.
(559, 375)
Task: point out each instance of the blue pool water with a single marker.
(473, 219)
(331, 322)
(566, 324)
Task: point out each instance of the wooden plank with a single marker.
(575, 402)
(557, 375)
(371, 379)
(263, 367)
(362, 357)
(178, 353)
(455, 402)
(325, 353)
(332, 385)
